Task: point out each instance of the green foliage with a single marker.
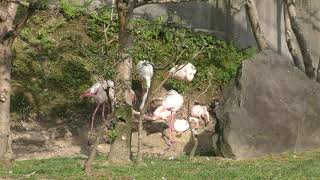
(55, 58)
(217, 60)
(70, 9)
(112, 134)
(287, 166)
(21, 105)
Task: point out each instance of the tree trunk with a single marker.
(297, 29)
(289, 39)
(120, 151)
(6, 154)
(252, 14)
(7, 16)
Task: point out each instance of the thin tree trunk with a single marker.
(318, 72)
(6, 154)
(252, 14)
(8, 13)
(297, 29)
(93, 152)
(193, 136)
(289, 39)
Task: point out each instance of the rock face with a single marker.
(271, 107)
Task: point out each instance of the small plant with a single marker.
(112, 134)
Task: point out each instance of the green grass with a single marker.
(287, 166)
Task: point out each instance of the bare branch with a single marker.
(318, 72)
(105, 29)
(206, 88)
(22, 3)
(237, 7)
(193, 136)
(21, 23)
(141, 3)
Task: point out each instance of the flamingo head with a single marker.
(87, 93)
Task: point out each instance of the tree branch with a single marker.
(21, 23)
(142, 3)
(22, 3)
(193, 136)
(318, 72)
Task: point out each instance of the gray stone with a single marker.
(270, 107)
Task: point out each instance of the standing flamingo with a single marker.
(145, 71)
(183, 72)
(200, 112)
(98, 93)
(170, 105)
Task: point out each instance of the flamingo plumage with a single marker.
(145, 71)
(169, 106)
(98, 93)
(200, 112)
(183, 72)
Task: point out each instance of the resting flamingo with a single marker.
(200, 112)
(183, 72)
(169, 106)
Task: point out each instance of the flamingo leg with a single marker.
(103, 109)
(92, 119)
(143, 98)
(171, 139)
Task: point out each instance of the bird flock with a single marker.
(104, 94)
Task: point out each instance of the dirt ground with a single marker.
(31, 141)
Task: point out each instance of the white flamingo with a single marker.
(145, 71)
(98, 93)
(183, 72)
(200, 112)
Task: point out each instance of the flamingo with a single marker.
(169, 106)
(98, 93)
(183, 72)
(181, 125)
(145, 71)
(200, 112)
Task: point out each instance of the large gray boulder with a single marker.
(271, 107)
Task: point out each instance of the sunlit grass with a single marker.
(286, 166)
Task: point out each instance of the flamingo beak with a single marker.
(86, 94)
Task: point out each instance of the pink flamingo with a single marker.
(200, 112)
(98, 93)
(183, 72)
(170, 105)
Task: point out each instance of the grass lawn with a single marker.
(287, 166)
